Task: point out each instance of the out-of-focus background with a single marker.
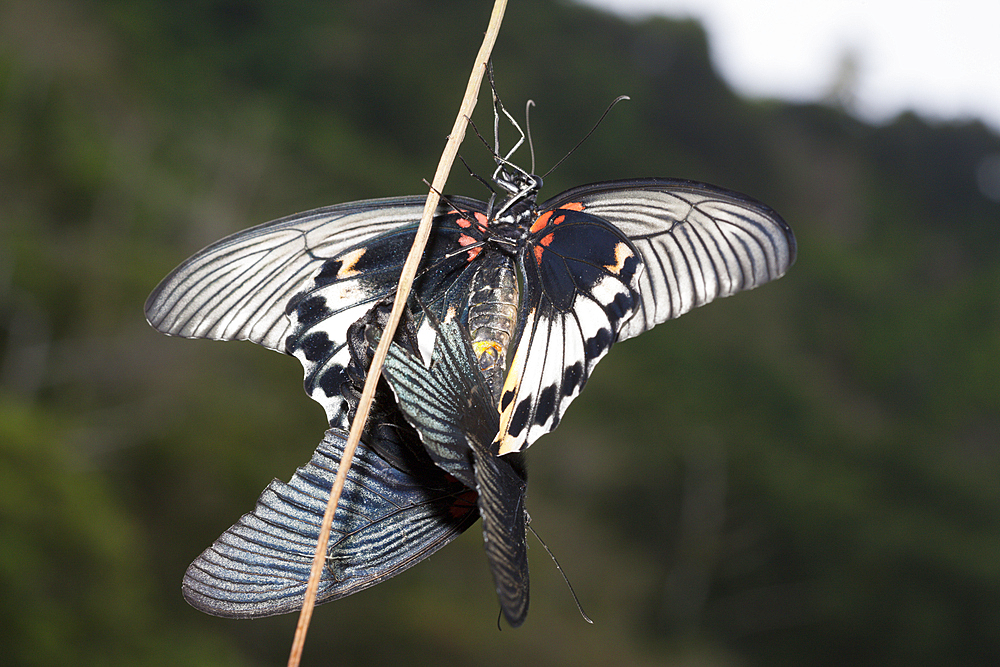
(806, 474)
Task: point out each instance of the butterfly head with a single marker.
(522, 192)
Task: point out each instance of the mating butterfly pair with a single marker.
(538, 293)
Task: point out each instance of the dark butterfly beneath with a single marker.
(451, 407)
(406, 495)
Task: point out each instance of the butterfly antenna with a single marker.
(562, 572)
(527, 128)
(587, 136)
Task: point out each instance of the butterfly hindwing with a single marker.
(581, 276)
(389, 518)
(397, 508)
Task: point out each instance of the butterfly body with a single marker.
(492, 317)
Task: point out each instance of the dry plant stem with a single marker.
(405, 281)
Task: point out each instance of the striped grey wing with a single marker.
(390, 517)
(238, 288)
(698, 242)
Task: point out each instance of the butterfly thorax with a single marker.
(519, 204)
(494, 295)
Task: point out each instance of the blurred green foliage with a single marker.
(802, 475)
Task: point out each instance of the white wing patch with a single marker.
(270, 285)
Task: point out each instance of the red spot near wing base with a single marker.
(465, 221)
(540, 223)
(464, 240)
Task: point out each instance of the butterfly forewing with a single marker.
(238, 288)
(698, 242)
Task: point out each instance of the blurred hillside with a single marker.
(805, 474)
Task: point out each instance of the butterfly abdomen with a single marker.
(492, 317)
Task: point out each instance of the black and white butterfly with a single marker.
(408, 493)
(544, 289)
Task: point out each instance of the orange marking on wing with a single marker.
(540, 223)
(465, 239)
(463, 223)
(475, 252)
(538, 253)
(573, 206)
(547, 239)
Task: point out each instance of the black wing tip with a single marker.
(515, 619)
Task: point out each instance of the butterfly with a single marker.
(520, 300)
(544, 289)
(405, 497)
